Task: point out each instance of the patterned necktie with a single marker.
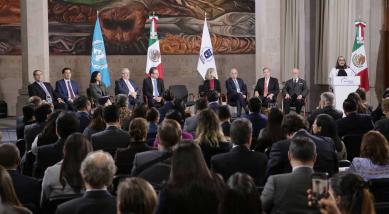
(237, 85)
(70, 91)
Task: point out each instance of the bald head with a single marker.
(98, 169)
(234, 73)
(295, 73)
(125, 73)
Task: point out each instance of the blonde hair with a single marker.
(208, 129)
(209, 72)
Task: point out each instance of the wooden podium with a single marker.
(342, 87)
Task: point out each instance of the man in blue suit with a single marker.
(66, 88)
(126, 86)
(236, 92)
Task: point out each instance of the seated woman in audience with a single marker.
(211, 83)
(362, 94)
(152, 117)
(125, 156)
(97, 89)
(136, 195)
(325, 126)
(225, 119)
(8, 196)
(64, 177)
(97, 123)
(361, 107)
(210, 136)
(241, 196)
(124, 112)
(191, 188)
(374, 160)
(272, 132)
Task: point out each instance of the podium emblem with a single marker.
(359, 60)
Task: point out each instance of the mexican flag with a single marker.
(358, 56)
(153, 52)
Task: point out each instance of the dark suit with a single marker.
(226, 128)
(272, 88)
(121, 88)
(383, 127)
(233, 97)
(258, 121)
(48, 155)
(206, 87)
(97, 91)
(354, 123)
(330, 110)
(240, 159)
(294, 90)
(326, 161)
(125, 157)
(110, 140)
(167, 106)
(148, 90)
(27, 189)
(84, 119)
(214, 106)
(62, 90)
(93, 202)
(34, 89)
(30, 132)
(287, 193)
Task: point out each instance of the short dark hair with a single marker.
(362, 93)
(9, 155)
(212, 96)
(292, 123)
(93, 76)
(67, 123)
(241, 131)
(65, 69)
(121, 100)
(28, 112)
(34, 72)
(174, 115)
(111, 114)
(349, 105)
(224, 112)
(169, 133)
(80, 102)
(41, 112)
(168, 95)
(302, 149)
(152, 114)
(201, 104)
(140, 111)
(151, 70)
(255, 104)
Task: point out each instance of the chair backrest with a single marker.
(344, 163)
(55, 201)
(353, 145)
(380, 189)
(179, 92)
(116, 181)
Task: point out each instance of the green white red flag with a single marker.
(358, 56)
(153, 52)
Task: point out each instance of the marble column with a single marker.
(35, 44)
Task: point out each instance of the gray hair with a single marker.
(121, 100)
(98, 169)
(124, 70)
(240, 131)
(328, 97)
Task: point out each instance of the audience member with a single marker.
(362, 94)
(287, 193)
(326, 106)
(271, 133)
(190, 124)
(124, 112)
(210, 137)
(383, 124)
(168, 98)
(241, 197)
(353, 123)
(25, 120)
(225, 119)
(152, 117)
(113, 137)
(213, 100)
(27, 188)
(48, 155)
(124, 157)
(97, 123)
(35, 100)
(136, 195)
(64, 177)
(97, 171)
(191, 188)
(325, 126)
(83, 107)
(361, 107)
(374, 160)
(378, 114)
(257, 119)
(31, 131)
(240, 158)
(294, 126)
(140, 110)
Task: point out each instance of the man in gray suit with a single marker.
(287, 193)
(190, 124)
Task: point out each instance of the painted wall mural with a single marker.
(125, 28)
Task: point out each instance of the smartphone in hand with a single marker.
(320, 187)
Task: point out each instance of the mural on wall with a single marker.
(125, 29)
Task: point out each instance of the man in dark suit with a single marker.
(258, 120)
(326, 106)
(213, 101)
(353, 123)
(43, 89)
(295, 91)
(236, 92)
(240, 158)
(383, 124)
(287, 193)
(112, 137)
(66, 124)
(66, 88)
(83, 107)
(128, 87)
(31, 131)
(294, 126)
(267, 88)
(168, 98)
(97, 171)
(153, 88)
(27, 189)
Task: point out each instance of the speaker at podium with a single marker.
(342, 87)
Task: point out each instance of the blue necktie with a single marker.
(155, 89)
(237, 85)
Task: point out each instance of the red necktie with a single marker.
(212, 84)
(265, 90)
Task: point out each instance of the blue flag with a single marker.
(98, 61)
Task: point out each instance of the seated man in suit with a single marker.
(287, 193)
(153, 88)
(97, 171)
(66, 88)
(27, 189)
(326, 106)
(267, 88)
(83, 107)
(113, 137)
(127, 86)
(240, 158)
(294, 126)
(44, 90)
(383, 124)
(41, 114)
(295, 91)
(66, 124)
(213, 101)
(236, 92)
(190, 123)
(353, 123)
(258, 120)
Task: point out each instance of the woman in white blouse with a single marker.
(341, 69)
